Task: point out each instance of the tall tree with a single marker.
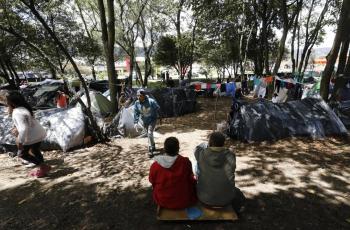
(108, 40)
(288, 11)
(312, 31)
(129, 15)
(38, 16)
(89, 47)
(341, 37)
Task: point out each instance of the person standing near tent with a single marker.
(147, 108)
(61, 100)
(29, 133)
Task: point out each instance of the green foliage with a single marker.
(167, 52)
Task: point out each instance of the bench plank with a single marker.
(226, 213)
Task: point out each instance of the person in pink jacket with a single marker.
(28, 131)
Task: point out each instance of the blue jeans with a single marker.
(149, 129)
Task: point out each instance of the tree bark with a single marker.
(333, 54)
(108, 39)
(6, 75)
(343, 57)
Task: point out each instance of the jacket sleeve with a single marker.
(199, 149)
(136, 113)
(152, 174)
(155, 105)
(22, 125)
(230, 167)
(191, 175)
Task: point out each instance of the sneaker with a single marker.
(37, 172)
(25, 162)
(41, 171)
(30, 165)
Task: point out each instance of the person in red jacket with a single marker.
(172, 178)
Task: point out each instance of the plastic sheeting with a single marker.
(175, 102)
(65, 128)
(343, 112)
(6, 124)
(123, 124)
(265, 121)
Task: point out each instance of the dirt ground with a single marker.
(290, 184)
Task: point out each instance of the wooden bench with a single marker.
(225, 213)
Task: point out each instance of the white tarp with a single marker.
(65, 128)
(126, 123)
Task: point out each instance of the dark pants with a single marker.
(238, 201)
(36, 158)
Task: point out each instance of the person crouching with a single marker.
(29, 133)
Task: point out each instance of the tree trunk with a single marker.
(53, 72)
(287, 22)
(14, 72)
(280, 52)
(266, 52)
(93, 72)
(6, 75)
(343, 57)
(98, 134)
(333, 54)
(192, 51)
(131, 70)
(139, 74)
(296, 24)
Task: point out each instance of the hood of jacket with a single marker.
(216, 156)
(165, 161)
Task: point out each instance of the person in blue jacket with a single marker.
(147, 108)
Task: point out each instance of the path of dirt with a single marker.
(290, 184)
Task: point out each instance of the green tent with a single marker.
(99, 103)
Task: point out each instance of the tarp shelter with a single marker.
(99, 103)
(175, 102)
(265, 121)
(41, 95)
(65, 128)
(172, 102)
(343, 112)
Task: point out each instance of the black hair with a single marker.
(15, 100)
(171, 146)
(216, 139)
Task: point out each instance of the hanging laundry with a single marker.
(197, 87)
(289, 85)
(269, 79)
(208, 86)
(257, 81)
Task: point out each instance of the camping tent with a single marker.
(99, 103)
(264, 121)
